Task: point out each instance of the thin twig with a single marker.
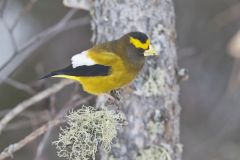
(52, 105)
(42, 144)
(32, 41)
(8, 151)
(24, 11)
(19, 85)
(2, 7)
(74, 105)
(33, 100)
(67, 17)
(76, 23)
(44, 140)
(26, 114)
(21, 125)
(11, 36)
(55, 29)
(40, 39)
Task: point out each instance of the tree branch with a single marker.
(8, 151)
(3, 4)
(19, 85)
(154, 101)
(38, 40)
(29, 102)
(26, 9)
(11, 36)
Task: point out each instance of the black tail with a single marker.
(47, 75)
(61, 71)
(84, 71)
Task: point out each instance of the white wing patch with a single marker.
(82, 59)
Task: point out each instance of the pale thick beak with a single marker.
(151, 51)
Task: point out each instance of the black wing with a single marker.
(83, 71)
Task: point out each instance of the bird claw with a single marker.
(116, 95)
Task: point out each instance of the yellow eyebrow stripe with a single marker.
(139, 44)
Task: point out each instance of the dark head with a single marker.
(140, 42)
(134, 46)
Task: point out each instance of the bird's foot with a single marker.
(113, 98)
(116, 94)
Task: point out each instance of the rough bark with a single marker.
(152, 109)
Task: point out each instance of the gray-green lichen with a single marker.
(87, 129)
(154, 85)
(155, 127)
(154, 153)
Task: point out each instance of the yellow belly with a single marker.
(102, 84)
(120, 74)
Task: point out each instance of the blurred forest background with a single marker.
(208, 46)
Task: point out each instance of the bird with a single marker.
(108, 66)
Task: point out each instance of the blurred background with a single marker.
(38, 36)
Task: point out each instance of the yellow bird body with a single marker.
(102, 84)
(107, 66)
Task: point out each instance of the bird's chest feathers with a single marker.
(120, 73)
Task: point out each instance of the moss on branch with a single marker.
(86, 130)
(154, 153)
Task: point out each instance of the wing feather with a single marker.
(82, 71)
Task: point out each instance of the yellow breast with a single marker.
(120, 74)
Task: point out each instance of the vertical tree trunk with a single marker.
(152, 109)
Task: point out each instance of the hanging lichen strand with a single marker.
(86, 130)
